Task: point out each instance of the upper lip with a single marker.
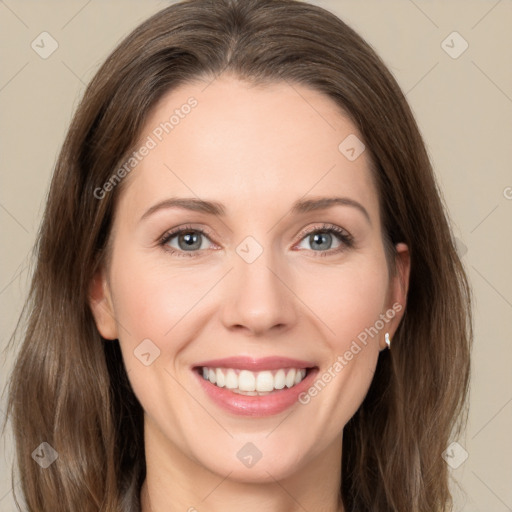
(253, 364)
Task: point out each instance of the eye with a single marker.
(326, 239)
(185, 240)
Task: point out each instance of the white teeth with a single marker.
(250, 383)
(265, 381)
(231, 379)
(246, 381)
(279, 379)
(290, 378)
(221, 381)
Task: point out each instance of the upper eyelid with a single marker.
(325, 227)
(172, 233)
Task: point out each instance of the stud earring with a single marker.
(388, 341)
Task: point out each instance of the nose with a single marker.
(259, 298)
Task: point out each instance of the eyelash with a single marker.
(346, 239)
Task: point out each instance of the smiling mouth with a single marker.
(246, 382)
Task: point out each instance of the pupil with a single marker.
(191, 241)
(322, 239)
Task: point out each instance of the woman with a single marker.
(246, 292)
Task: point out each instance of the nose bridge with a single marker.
(256, 296)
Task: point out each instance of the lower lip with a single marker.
(266, 405)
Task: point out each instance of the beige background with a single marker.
(463, 106)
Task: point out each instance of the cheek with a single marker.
(349, 304)
(347, 299)
(160, 304)
(150, 299)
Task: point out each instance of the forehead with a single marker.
(243, 144)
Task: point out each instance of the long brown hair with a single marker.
(69, 388)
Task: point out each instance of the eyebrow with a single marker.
(217, 209)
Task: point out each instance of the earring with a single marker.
(388, 341)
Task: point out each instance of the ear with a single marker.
(100, 301)
(397, 293)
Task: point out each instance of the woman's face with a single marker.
(281, 264)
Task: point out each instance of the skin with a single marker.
(256, 150)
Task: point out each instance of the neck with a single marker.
(176, 482)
